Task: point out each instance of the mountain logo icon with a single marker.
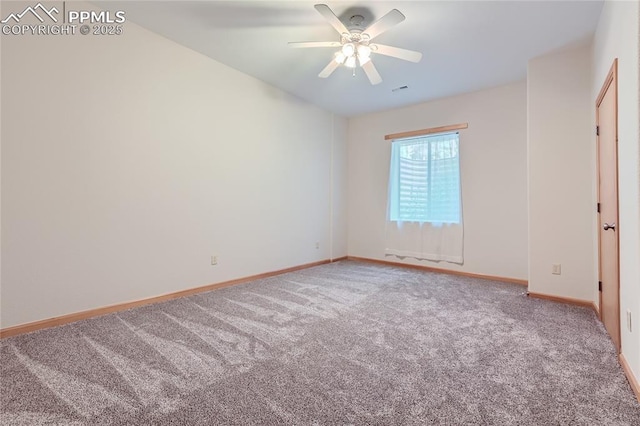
(34, 11)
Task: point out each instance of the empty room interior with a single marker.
(283, 212)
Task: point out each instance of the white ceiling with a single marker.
(466, 45)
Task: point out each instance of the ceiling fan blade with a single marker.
(331, 18)
(389, 20)
(396, 52)
(298, 44)
(326, 72)
(372, 73)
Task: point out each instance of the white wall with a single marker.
(560, 169)
(1, 68)
(493, 171)
(617, 37)
(339, 200)
(127, 161)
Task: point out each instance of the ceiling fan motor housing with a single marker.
(356, 23)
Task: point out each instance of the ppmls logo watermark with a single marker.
(41, 20)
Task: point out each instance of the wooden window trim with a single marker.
(430, 131)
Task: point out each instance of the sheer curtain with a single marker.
(424, 208)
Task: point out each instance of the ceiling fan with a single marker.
(355, 43)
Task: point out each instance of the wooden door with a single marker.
(608, 229)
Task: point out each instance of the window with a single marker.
(424, 181)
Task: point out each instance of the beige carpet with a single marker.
(345, 343)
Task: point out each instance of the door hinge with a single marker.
(598, 207)
(599, 285)
(597, 130)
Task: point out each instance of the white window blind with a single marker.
(424, 181)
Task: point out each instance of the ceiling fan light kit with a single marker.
(355, 43)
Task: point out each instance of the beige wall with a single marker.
(617, 37)
(493, 169)
(560, 169)
(127, 161)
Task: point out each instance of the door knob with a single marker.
(606, 226)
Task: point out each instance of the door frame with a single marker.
(610, 80)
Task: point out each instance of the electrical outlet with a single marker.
(214, 260)
(317, 244)
(629, 320)
(556, 269)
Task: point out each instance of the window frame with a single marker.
(394, 211)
